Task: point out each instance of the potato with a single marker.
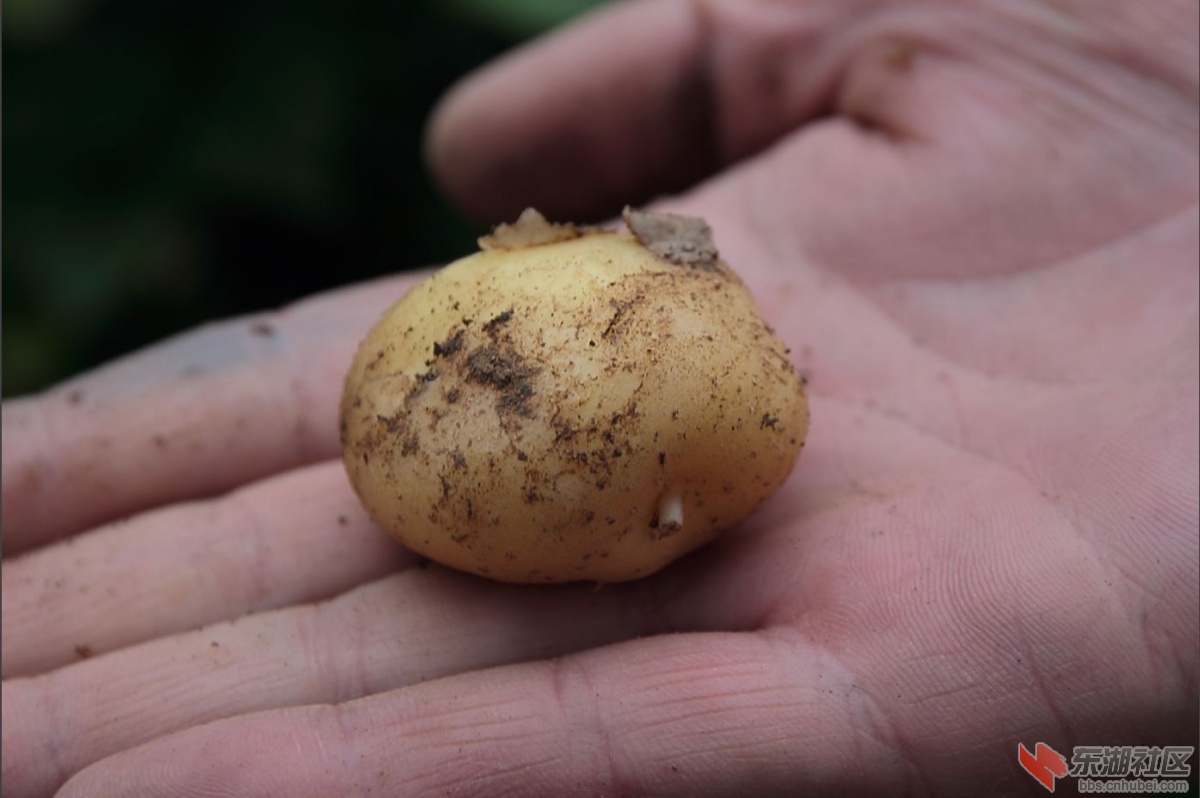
(572, 404)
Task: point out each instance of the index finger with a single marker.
(187, 418)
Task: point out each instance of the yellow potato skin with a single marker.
(532, 414)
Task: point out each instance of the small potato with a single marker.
(572, 404)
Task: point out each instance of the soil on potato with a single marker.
(682, 240)
(505, 371)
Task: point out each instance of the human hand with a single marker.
(975, 225)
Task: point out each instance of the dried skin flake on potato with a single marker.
(571, 403)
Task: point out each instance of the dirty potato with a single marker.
(572, 404)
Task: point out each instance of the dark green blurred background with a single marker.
(167, 163)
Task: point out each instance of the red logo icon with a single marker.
(1045, 764)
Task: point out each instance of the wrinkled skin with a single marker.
(975, 225)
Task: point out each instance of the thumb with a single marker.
(638, 99)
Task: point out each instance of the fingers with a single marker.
(576, 123)
(639, 99)
(196, 415)
(412, 627)
(687, 715)
(912, 122)
(293, 539)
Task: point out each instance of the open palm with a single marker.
(977, 229)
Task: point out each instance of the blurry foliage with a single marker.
(520, 18)
(170, 163)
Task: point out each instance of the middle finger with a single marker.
(298, 537)
(417, 625)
